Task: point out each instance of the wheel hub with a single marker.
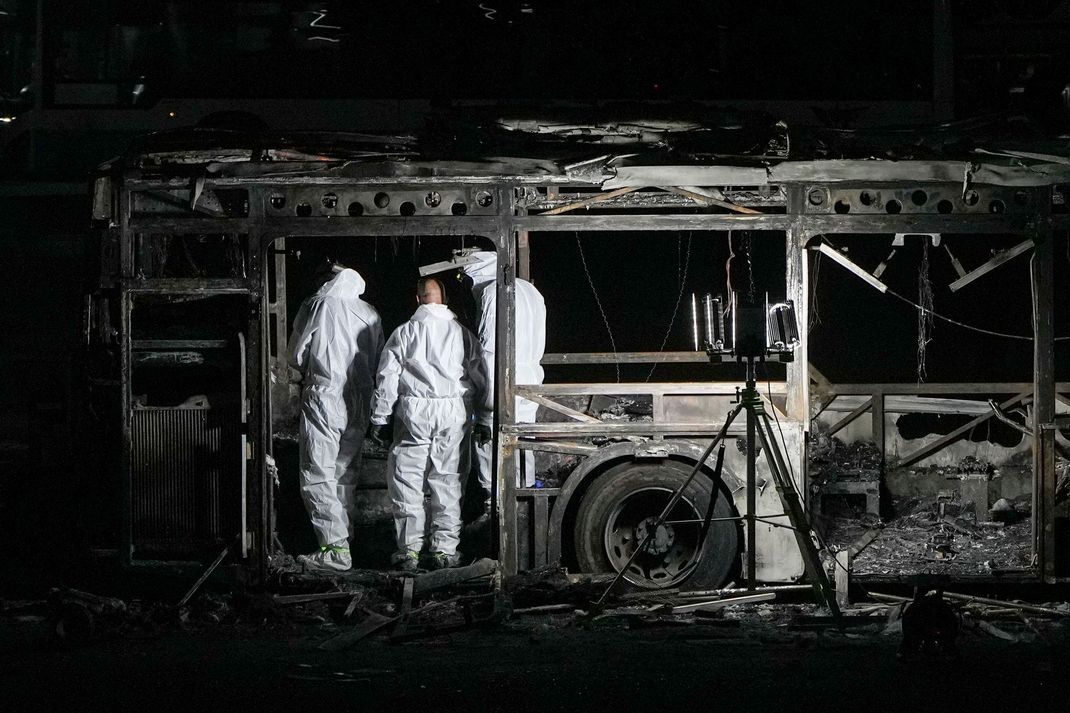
(663, 538)
(672, 549)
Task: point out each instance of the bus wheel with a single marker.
(621, 506)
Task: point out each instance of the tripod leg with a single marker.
(674, 499)
(789, 497)
(752, 502)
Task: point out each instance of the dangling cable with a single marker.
(728, 271)
(745, 250)
(814, 317)
(682, 278)
(605, 319)
(925, 310)
(972, 328)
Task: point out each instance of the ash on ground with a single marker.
(941, 535)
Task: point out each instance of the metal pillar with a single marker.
(797, 284)
(1042, 269)
(504, 396)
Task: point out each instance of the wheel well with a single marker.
(568, 523)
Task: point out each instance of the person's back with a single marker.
(335, 346)
(530, 331)
(337, 336)
(530, 327)
(430, 378)
(431, 349)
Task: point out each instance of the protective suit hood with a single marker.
(485, 269)
(347, 284)
(432, 311)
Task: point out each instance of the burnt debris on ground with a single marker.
(957, 524)
(941, 535)
(338, 612)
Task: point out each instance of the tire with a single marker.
(622, 502)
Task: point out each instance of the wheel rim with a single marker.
(674, 549)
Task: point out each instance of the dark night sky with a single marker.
(451, 49)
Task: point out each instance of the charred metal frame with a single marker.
(801, 203)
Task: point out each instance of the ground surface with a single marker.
(531, 663)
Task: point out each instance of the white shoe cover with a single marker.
(328, 559)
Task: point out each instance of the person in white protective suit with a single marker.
(530, 345)
(335, 345)
(431, 380)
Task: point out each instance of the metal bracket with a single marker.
(461, 257)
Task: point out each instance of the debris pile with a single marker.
(936, 612)
(340, 613)
(625, 409)
(970, 464)
(554, 468)
(942, 535)
(832, 460)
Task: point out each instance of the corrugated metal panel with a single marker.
(185, 472)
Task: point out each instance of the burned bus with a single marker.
(204, 249)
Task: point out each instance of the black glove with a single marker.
(379, 434)
(482, 434)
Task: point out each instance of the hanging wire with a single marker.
(963, 325)
(1033, 298)
(925, 310)
(605, 319)
(681, 277)
(745, 248)
(728, 271)
(814, 316)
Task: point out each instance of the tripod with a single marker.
(758, 427)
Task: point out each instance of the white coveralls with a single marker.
(335, 344)
(430, 377)
(530, 345)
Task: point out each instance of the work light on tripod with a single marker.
(745, 331)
